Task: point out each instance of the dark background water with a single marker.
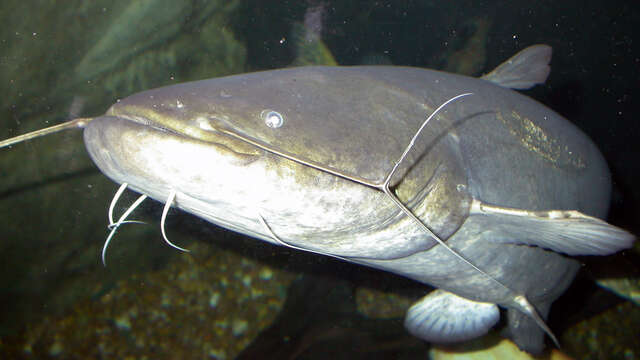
(76, 59)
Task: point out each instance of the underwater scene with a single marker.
(313, 236)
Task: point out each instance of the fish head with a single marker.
(302, 147)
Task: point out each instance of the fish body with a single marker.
(290, 156)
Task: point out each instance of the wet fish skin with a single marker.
(497, 146)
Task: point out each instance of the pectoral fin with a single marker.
(442, 317)
(569, 232)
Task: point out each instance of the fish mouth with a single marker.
(198, 128)
(146, 122)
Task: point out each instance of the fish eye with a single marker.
(272, 119)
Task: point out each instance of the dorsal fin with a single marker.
(523, 70)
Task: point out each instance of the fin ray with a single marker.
(443, 317)
(524, 70)
(569, 232)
